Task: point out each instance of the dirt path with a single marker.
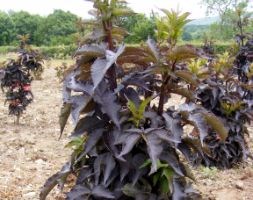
(31, 152)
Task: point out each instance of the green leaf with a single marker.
(161, 165)
(144, 104)
(76, 143)
(164, 185)
(146, 163)
(168, 173)
(156, 178)
(138, 111)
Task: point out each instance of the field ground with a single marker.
(31, 152)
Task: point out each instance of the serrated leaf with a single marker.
(181, 53)
(91, 141)
(87, 124)
(200, 124)
(187, 76)
(91, 51)
(128, 140)
(154, 149)
(153, 48)
(78, 104)
(174, 126)
(107, 100)
(101, 66)
(107, 161)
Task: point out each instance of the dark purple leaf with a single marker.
(78, 104)
(79, 192)
(88, 124)
(107, 100)
(58, 178)
(101, 66)
(101, 192)
(154, 148)
(103, 163)
(128, 140)
(174, 126)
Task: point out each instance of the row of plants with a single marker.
(56, 52)
(66, 51)
(127, 143)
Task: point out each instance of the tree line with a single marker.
(56, 28)
(62, 28)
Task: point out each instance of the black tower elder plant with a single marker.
(16, 79)
(222, 93)
(125, 143)
(126, 140)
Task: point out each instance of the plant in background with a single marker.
(208, 46)
(16, 78)
(222, 94)
(170, 26)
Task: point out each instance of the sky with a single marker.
(81, 7)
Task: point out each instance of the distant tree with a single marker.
(58, 26)
(186, 36)
(7, 29)
(140, 27)
(235, 18)
(26, 23)
(219, 6)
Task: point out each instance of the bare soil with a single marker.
(31, 152)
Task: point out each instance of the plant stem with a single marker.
(162, 95)
(112, 71)
(166, 79)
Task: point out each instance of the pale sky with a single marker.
(81, 7)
